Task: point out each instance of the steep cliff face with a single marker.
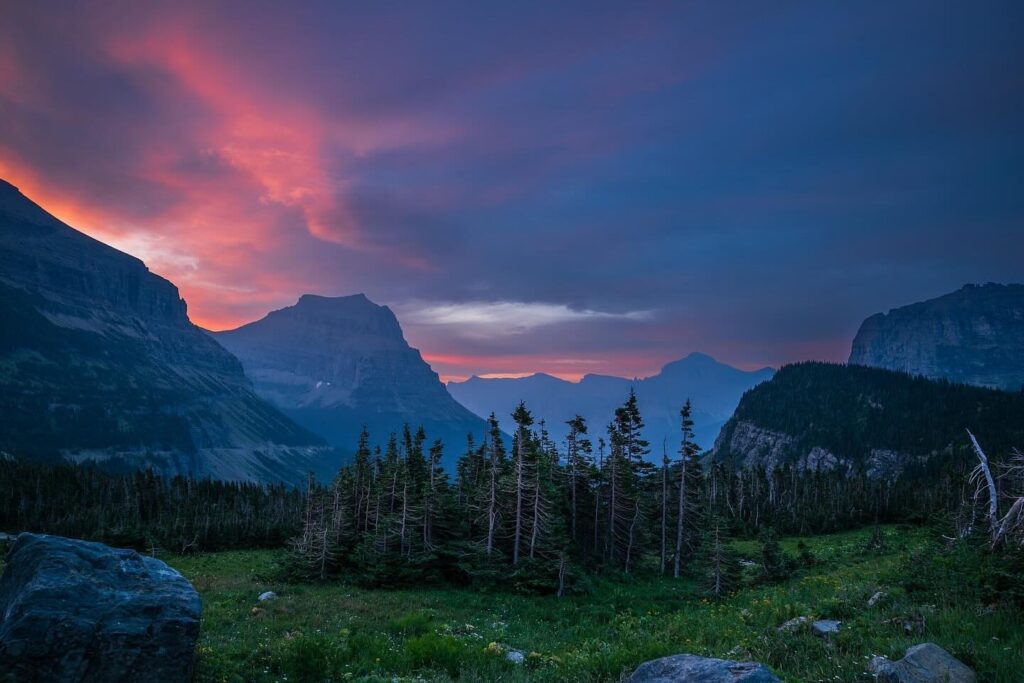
(974, 335)
(335, 364)
(99, 361)
(714, 388)
(850, 418)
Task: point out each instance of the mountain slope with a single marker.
(336, 363)
(974, 335)
(99, 361)
(852, 417)
(713, 387)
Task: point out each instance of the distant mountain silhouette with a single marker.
(99, 362)
(334, 364)
(713, 387)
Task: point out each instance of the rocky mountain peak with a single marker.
(346, 319)
(337, 363)
(974, 335)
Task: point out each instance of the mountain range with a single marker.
(336, 364)
(99, 362)
(974, 335)
(714, 389)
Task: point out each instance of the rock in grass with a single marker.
(924, 663)
(823, 628)
(694, 669)
(793, 624)
(515, 656)
(876, 598)
(269, 595)
(75, 611)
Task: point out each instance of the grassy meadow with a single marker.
(335, 631)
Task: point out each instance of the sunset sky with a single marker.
(558, 187)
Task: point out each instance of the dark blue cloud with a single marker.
(756, 178)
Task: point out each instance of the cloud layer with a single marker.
(568, 189)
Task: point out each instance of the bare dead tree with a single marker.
(1009, 527)
(984, 470)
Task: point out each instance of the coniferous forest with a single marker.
(519, 512)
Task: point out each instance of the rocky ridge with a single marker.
(99, 362)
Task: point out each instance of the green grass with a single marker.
(339, 632)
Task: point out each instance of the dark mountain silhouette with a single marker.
(99, 362)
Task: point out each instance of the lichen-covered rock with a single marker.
(924, 663)
(79, 611)
(793, 624)
(694, 669)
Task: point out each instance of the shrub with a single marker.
(806, 558)
(309, 658)
(966, 570)
(412, 624)
(433, 651)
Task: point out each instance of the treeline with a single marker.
(523, 512)
(145, 511)
(532, 515)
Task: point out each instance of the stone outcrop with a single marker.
(694, 669)
(75, 611)
(756, 446)
(974, 335)
(99, 361)
(924, 663)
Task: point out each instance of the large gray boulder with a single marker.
(694, 669)
(924, 663)
(79, 611)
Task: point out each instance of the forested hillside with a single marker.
(855, 418)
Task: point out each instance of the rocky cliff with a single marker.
(974, 335)
(334, 364)
(99, 361)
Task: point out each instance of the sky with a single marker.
(564, 187)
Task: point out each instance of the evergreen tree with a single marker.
(775, 566)
(579, 464)
(523, 420)
(687, 489)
